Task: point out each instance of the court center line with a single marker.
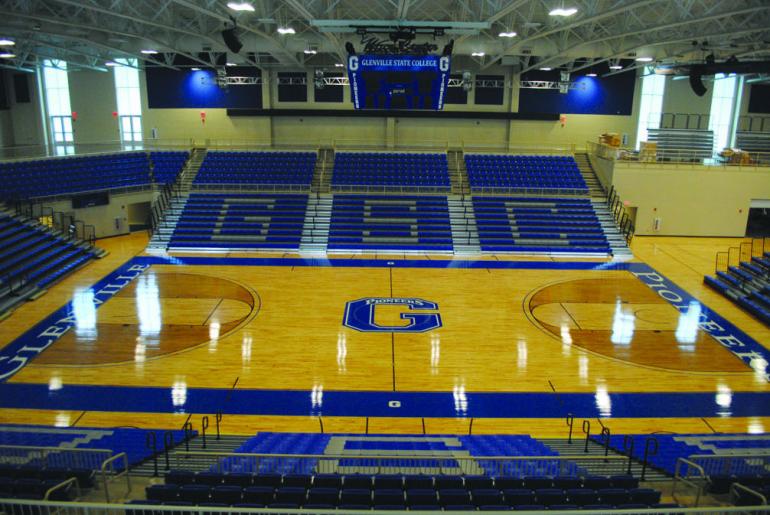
(679, 261)
(393, 357)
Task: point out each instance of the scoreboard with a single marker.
(398, 81)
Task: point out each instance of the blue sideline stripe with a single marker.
(375, 404)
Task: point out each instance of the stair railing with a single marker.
(606, 438)
(168, 444)
(628, 447)
(151, 442)
(204, 426)
(218, 420)
(570, 423)
(649, 450)
(587, 431)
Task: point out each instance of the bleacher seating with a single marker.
(394, 492)
(35, 255)
(672, 447)
(538, 225)
(243, 221)
(747, 285)
(362, 170)
(401, 223)
(59, 176)
(132, 441)
(167, 165)
(257, 168)
(549, 174)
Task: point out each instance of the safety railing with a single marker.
(66, 486)
(496, 190)
(621, 215)
(371, 188)
(733, 464)
(62, 508)
(695, 121)
(112, 469)
(683, 157)
(41, 151)
(733, 256)
(67, 225)
(54, 457)
(738, 490)
(427, 463)
(246, 187)
(690, 476)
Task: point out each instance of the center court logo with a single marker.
(359, 315)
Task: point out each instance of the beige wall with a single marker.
(680, 98)
(6, 128)
(103, 217)
(691, 200)
(92, 96)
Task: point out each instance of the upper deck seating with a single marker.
(257, 168)
(555, 174)
(396, 171)
(167, 165)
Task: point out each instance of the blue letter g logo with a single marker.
(359, 315)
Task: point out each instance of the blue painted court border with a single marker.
(377, 404)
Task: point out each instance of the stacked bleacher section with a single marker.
(33, 254)
(23, 180)
(379, 171)
(284, 482)
(34, 459)
(747, 285)
(292, 170)
(241, 221)
(533, 224)
(167, 165)
(745, 458)
(523, 174)
(381, 222)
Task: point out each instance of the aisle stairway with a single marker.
(179, 459)
(315, 231)
(618, 245)
(595, 188)
(162, 236)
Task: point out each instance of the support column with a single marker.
(513, 107)
(390, 132)
(267, 103)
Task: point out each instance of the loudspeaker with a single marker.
(231, 40)
(349, 48)
(696, 83)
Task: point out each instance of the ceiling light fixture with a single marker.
(310, 51)
(510, 34)
(230, 64)
(478, 54)
(6, 42)
(339, 65)
(110, 63)
(240, 6)
(616, 67)
(7, 55)
(644, 59)
(286, 30)
(149, 51)
(561, 11)
(590, 75)
(546, 69)
(195, 69)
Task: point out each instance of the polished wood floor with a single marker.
(280, 328)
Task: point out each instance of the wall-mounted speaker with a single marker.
(696, 82)
(231, 40)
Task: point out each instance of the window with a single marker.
(129, 103)
(651, 103)
(721, 115)
(57, 101)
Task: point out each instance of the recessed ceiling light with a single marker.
(310, 51)
(110, 63)
(644, 59)
(616, 67)
(478, 54)
(149, 51)
(230, 64)
(563, 12)
(195, 69)
(339, 65)
(507, 34)
(286, 30)
(7, 55)
(6, 42)
(590, 75)
(240, 6)
(546, 69)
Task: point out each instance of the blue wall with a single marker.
(594, 95)
(168, 88)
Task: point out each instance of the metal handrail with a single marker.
(736, 487)
(6, 451)
(688, 478)
(110, 463)
(66, 483)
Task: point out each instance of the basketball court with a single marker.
(392, 344)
